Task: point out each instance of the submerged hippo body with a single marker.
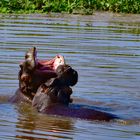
(47, 101)
(53, 97)
(75, 111)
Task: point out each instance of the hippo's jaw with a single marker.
(32, 64)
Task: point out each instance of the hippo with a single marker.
(53, 97)
(56, 90)
(33, 73)
(47, 86)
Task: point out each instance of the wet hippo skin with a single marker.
(53, 97)
(33, 73)
(47, 85)
(49, 104)
(56, 90)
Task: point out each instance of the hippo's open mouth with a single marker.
(34, 71)
(33, 62)
(51, 64)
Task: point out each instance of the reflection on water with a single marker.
(31, 124)
(103, 48)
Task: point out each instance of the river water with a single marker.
(103, 48)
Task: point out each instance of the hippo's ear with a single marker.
(52, 82)
(30, 59)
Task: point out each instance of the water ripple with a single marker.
(103, 48)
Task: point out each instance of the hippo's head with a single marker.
(56, 90)
(67, 75)
(31, 76)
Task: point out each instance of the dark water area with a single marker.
(103, 48)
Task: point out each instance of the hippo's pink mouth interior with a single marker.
(51, 64)
(46, 67)
(31, 57)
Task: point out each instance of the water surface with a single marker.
(103, 48)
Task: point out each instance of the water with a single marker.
(103, 48)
